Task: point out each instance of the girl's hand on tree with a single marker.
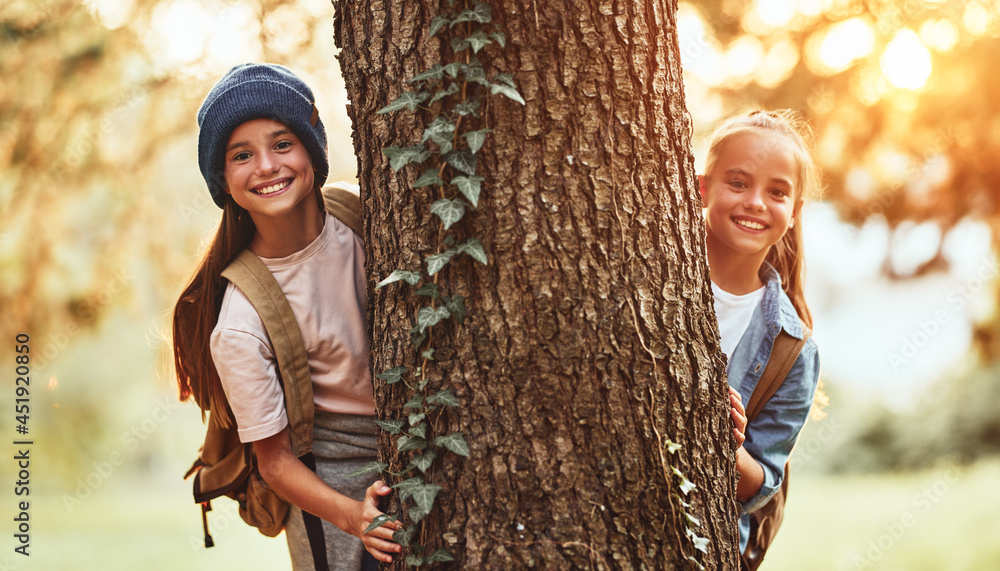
(378, 541)
(739, 416)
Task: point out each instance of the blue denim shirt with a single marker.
(771, 436)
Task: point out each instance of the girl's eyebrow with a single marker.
(273, 135)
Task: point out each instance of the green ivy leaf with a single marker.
(443, 397)
(400, 275)
(423, 461)
(449, 211)
(428, 354)
(408, 99)
(507, 91)
(693, 520)
(438, 261)
(450, 90)
(454, 442)
(475, 139)
(393, 375)
(686, 485)
(403, 535)
(437, 23)
(407, 486)
(431, 316)
(454, 68)
(700, 543)
(441, 131)
(392, 426)
(470, 186)
(459, 45)
(478, 40)
(416, 337)
(416, 417)
(379, 520)
(429, 177)
(406, 443)
(466, 108)
(463, 161)
(456, 305)
(505, 79)
(416, 514)
(425, 494)
(420, 430)
(435, 72)
(671, 446)
(440, 555)
(416, 401)
(476, 74)
(431, 290)
(474, 249)
(368, 469)
(480, 13)
(500, 38)
(400, 157)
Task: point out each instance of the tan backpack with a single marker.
(227, 467)
(765, 521)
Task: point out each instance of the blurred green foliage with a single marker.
(956, 421)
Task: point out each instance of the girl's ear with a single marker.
(701, 186)
(795, 214)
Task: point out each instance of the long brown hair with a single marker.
(786, 256)
(197, 311)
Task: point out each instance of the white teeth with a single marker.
(751, 225)
(273, 188)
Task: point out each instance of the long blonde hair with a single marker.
(786, 256)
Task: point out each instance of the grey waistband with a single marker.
(338, 435)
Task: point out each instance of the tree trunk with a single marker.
(590, 340)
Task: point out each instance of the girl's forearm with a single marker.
(751, 475)
(299, 485)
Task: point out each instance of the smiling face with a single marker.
(268, 170)
(752, 194)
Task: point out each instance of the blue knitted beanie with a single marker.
(257, 91)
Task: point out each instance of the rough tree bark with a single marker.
(591, 338)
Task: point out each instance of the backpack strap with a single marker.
(783, 354)
(249, 273)
(345, 205)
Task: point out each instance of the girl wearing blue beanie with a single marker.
(262, 152)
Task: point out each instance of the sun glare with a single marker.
(976, 19)
(112, 14)
(940, 35)
(845, 42)
(776, 13)
(190, 35)
(906, 62)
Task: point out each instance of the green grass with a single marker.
(936, 520)
(944, 519)
(152, 529)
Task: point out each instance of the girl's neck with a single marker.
(734, 272)
(281, 237)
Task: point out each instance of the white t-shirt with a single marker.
(734, 313)
(325, 286)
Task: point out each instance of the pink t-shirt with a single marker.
(325, 286)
